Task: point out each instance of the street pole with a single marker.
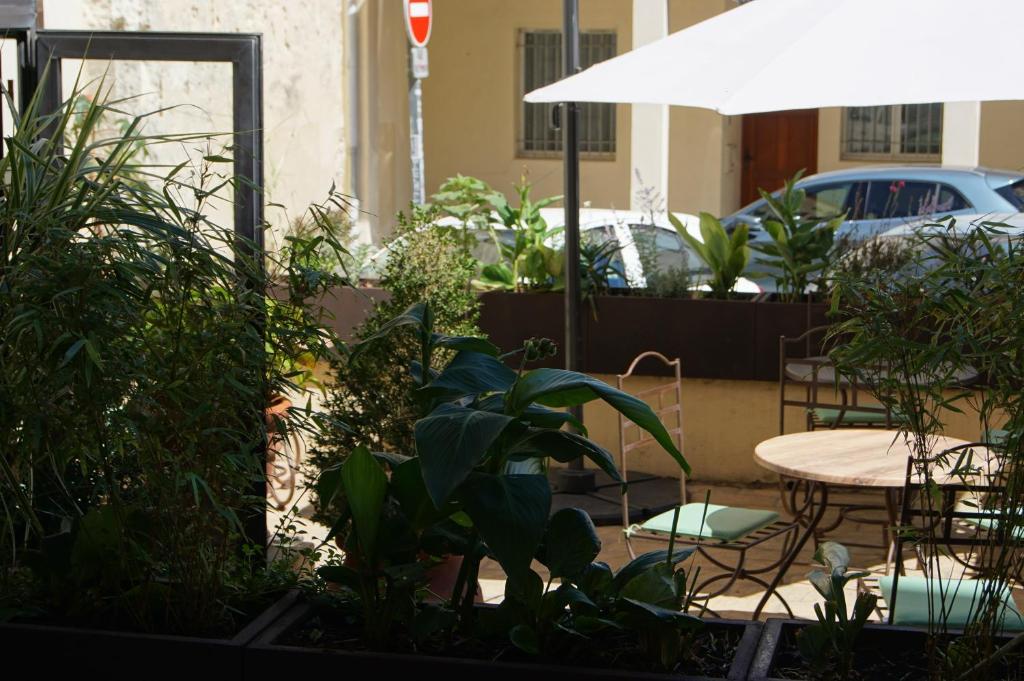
(574, 479)
(416, 135)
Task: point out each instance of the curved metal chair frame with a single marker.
(935, 521)
(845, 398)
(735, 570)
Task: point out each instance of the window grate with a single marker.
(542, 65)
(904, 131)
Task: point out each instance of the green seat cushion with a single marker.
(961, 601)
(719, 522)
(996, 436)
(824, 415)
(988, 518)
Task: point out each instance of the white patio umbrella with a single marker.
(772, 55)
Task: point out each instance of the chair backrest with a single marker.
(952, 502)
(819, 386)
(666, 399)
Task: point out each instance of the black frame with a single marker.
(242, 51)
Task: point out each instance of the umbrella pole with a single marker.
(574, 479)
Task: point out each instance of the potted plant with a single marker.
(475, 488)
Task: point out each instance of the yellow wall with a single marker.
(722, 423)
(471, 99)
(1002, 135)
(704, 147)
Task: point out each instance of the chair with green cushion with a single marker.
(956, 519)
(956, 600)
(714, 529)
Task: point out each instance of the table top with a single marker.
(844, 456)
(803, 370)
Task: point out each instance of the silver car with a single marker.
(876, 200)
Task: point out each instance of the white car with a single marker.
(632, 231)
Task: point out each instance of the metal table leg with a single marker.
(814, 515)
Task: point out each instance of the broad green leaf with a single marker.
(645, 562)
(561, 388)
(411, 492)
(564, 446)
(365, 485)
(570, 543)
(525, 638)
(466, 343)
(649, 612)
(596, 580)
(510, 512)
(471, 373)
(451, 442)
(655, 585)
(340, 574)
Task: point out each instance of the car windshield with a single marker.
(1014, 193)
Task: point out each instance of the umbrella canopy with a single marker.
(772, 55)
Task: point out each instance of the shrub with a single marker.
(374, 398)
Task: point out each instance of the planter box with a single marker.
(268, 659)
(57, 651)
(730, 339)
(874, 640)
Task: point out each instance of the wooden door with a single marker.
(775, 146)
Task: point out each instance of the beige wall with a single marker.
(303, 106)
(1002, 135)
(471, 99)
(384, 131)
(722, 423)
(704, 154)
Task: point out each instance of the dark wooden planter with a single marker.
(267, 659)
(730, 339)
(58, 651)
(875, 639)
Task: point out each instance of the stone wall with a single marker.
(302, 85)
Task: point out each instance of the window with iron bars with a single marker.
(541, 64)
(910, 132)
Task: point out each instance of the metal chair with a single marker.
(711, 528)
(964, 522)
(828, 403)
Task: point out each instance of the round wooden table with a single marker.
(844, 456)
(870, 458)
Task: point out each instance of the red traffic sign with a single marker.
(419, 16)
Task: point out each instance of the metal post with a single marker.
(416, 138)
(574, 479)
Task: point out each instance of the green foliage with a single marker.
(726, 256)
(828, 645)
(483, 420)
(466, 199)
(908, 336)
(528, 262)
(134, 370)
(374, 400)
(800, 244)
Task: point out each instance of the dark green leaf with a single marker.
(560, 388)
(451, 442)
(525, 638)
(564, 446)
(646, 561)
(570, 543)
(471, 373)
(365, 485)
(510, 512)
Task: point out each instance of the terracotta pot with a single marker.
(278, 407)
(440, 579)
